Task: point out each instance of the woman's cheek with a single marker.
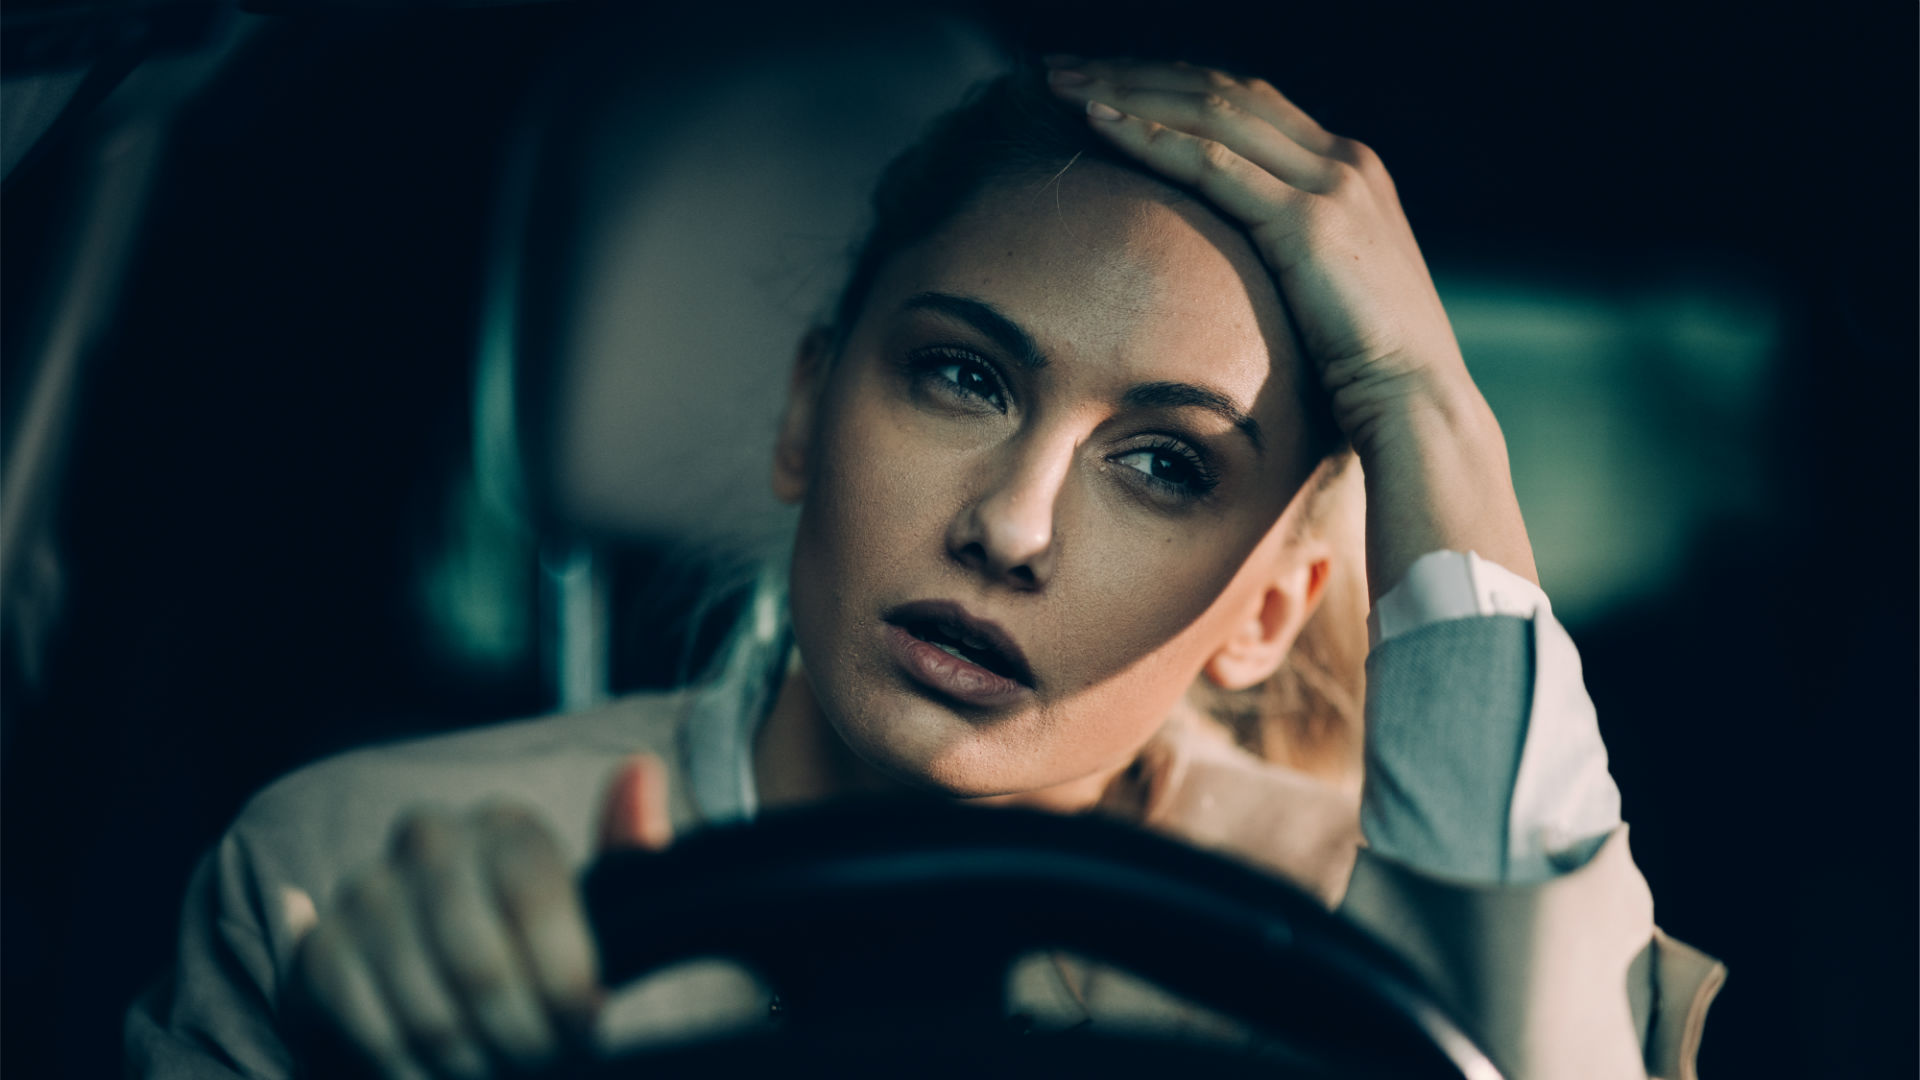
(872, 532)
(890, 493)
(1140, 591)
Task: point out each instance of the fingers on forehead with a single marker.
(1255, 95)
(1244, 190)
(1214, 116)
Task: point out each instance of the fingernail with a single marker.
(1101, 111)
(1061, 77)
(1061, 60)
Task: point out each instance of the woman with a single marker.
(1068, 458)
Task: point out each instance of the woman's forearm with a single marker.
(1437, 479)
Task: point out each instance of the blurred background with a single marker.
(367, 370)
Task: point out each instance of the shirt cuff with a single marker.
(1442, 585)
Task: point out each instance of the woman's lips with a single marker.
(962, 680)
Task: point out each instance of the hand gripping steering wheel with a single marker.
(888, 933)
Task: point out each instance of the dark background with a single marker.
(284, 388)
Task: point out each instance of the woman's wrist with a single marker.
(1386, 414)
(1437, 479)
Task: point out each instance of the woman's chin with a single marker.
(930, 748)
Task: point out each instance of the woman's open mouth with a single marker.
(970, 660)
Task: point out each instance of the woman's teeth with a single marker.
(944, 647)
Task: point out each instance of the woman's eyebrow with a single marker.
(983, 317)
(1174, 395)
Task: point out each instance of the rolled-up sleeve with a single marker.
(1484, 757)
(1496, 861)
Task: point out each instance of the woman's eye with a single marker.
(1171, 468)
(967, 376)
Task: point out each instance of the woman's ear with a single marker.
(1272, 621)
(790, 450)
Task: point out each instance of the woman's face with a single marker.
(1042, 484)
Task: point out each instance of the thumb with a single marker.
(635, 811)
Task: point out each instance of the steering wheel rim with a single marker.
(907, 918)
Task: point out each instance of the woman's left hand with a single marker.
(1321, 210)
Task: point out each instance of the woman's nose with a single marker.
(1007, 531)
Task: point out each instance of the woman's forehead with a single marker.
(1110, 269)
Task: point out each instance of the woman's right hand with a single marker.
(465, 951)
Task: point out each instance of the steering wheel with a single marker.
(888, 934)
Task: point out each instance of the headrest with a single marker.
(668, 234)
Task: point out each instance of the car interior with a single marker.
(373, 370)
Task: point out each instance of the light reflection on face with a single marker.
(1073, 412)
